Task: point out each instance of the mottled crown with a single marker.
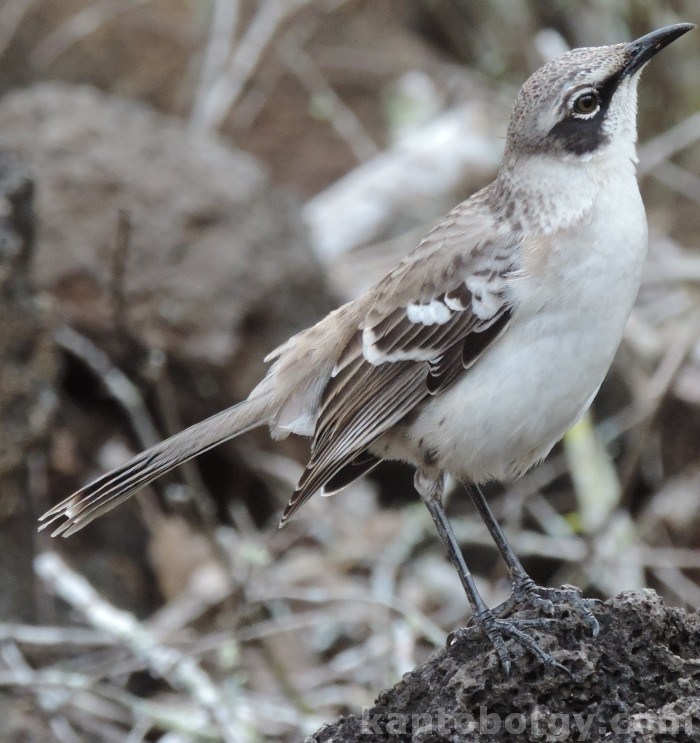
(541, 101)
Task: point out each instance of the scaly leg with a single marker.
(495, 628)
(525, 590)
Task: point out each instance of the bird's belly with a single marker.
(505, 413)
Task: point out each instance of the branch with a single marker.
(180, 670)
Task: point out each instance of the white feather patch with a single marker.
(454, 303)
(485, 303)
(376, 357)
(433, 313)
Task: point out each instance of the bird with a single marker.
(483, 346)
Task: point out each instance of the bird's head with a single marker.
(585, 101)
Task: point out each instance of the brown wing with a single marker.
(416, 340)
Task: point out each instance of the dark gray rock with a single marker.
(639, 681)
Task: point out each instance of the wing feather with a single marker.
(421, 331)
(361, 426)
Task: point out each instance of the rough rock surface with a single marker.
(639, 681)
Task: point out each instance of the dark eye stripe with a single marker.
(581, 135)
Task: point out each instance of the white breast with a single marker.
(507, 412)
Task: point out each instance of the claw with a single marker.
(505, 664)
(531, 644)
(594, 625)
(496, 625)
(490, 626)
(548, 600)
(497, 630)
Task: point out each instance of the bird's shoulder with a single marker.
(454, 282)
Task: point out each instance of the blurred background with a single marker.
(187, 182)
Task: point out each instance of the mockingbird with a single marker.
(484, 345)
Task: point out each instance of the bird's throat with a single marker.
(543, 195)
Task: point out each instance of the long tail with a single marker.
(116, 486)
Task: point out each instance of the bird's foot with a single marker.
(499, 629)
(550, 601)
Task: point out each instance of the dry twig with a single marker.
(11, 15)
(116, 382)
(180, 670)
(77, 27)
(225, 89)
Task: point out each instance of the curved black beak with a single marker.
(643, 49)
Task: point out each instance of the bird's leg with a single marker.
(525, 590)
(431, 490)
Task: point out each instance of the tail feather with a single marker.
(363, 463)
(110, 490)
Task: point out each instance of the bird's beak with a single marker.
(643, 49)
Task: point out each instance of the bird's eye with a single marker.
(586, 104)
